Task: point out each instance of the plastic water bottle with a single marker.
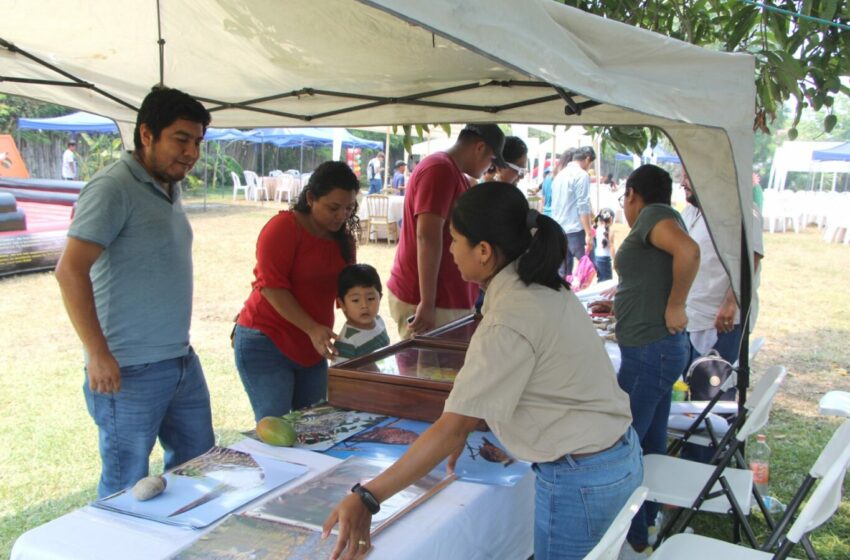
(759, 462)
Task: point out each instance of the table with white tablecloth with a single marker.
(464, 520)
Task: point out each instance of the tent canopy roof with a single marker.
(838, 153)
(74, 122)
(374, 62)
(291, 137)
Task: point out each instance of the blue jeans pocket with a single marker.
(602, 503)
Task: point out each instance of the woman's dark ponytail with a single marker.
(498, 213)
(545, 255)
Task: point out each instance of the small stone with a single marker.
(149, 487)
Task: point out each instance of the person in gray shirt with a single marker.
(126, 281)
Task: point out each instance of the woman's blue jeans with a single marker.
(168, 400)
(647, 374)
(576, 499)
(274, 383)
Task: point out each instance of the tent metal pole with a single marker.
(301, 161)
(746, 299)
(386, 169)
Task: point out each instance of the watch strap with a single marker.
(369, 500)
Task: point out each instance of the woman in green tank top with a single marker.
(656, 264)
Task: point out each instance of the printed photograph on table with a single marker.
(435, 364)
(309, 504)
(207, 488)
(321, 427)
(241, 538)
(484, 460)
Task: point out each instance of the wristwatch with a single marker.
(369, 500)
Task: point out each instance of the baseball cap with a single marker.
(399, 163)
(492, 136)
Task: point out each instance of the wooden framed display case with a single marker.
(411, 379)
(456, 334)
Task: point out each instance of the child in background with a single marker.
(603, 252)
(359, 296)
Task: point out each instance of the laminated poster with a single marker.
(321, 427)
(205, 489)
(309, 504)
(484, 461)
(241, 537)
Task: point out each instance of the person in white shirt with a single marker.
(375, 173)
(714, 320)
(69, 162)
(571, 204)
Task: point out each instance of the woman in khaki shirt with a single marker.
(537, 372)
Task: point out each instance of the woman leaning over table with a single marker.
(284, 333)
(537, 372)
(656, 264)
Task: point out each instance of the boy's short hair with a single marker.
(355, 275)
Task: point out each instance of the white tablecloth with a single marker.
(394, 214)
(465, 520)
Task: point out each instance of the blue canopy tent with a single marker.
(75, 122)
(300, 137)
(838, 153)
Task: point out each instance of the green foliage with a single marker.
(795, 58)
(12, 107)
(100, 150)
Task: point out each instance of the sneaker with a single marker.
(629, 553)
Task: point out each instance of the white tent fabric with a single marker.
(373, 62)
(797, 156)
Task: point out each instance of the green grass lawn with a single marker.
(49, 462)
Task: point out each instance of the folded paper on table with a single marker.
(484, 460)
(207, 488)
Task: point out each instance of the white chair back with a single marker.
(612, 541)
(835, 403)
(378, 206)
(236, 182)
(252, 179)
(755, 347)
(827, 496)
(831, 454)
(761, 400)
(275, 172)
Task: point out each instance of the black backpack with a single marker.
(706, 375)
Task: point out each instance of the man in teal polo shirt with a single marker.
(126, 280)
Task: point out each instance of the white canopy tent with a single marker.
(797, 156)
(375, 62)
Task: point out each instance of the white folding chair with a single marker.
(238, 186)
(715, 488)
(832, 464)
(835, 403)
(379, 208)
(608, 548)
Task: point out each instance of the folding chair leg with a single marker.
(739, 513)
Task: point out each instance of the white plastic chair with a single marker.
(256, 187)
(378, 206)
(285, 186)
(835, 403)
(608, 548)
(714, 488)
(238, 186)
(832, 464)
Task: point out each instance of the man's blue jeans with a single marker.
(168, 400)
(576, 499)
(575, 250)
(274, 383)
(374, 186)
(647, 374)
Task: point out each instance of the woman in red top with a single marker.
(284, 332)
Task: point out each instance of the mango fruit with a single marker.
(276, 431)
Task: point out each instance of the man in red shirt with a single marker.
(425, 286)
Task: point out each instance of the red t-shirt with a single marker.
(289, 257)
(433, 188)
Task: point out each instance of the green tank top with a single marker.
(646, 278)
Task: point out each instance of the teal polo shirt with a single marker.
(143, 279)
